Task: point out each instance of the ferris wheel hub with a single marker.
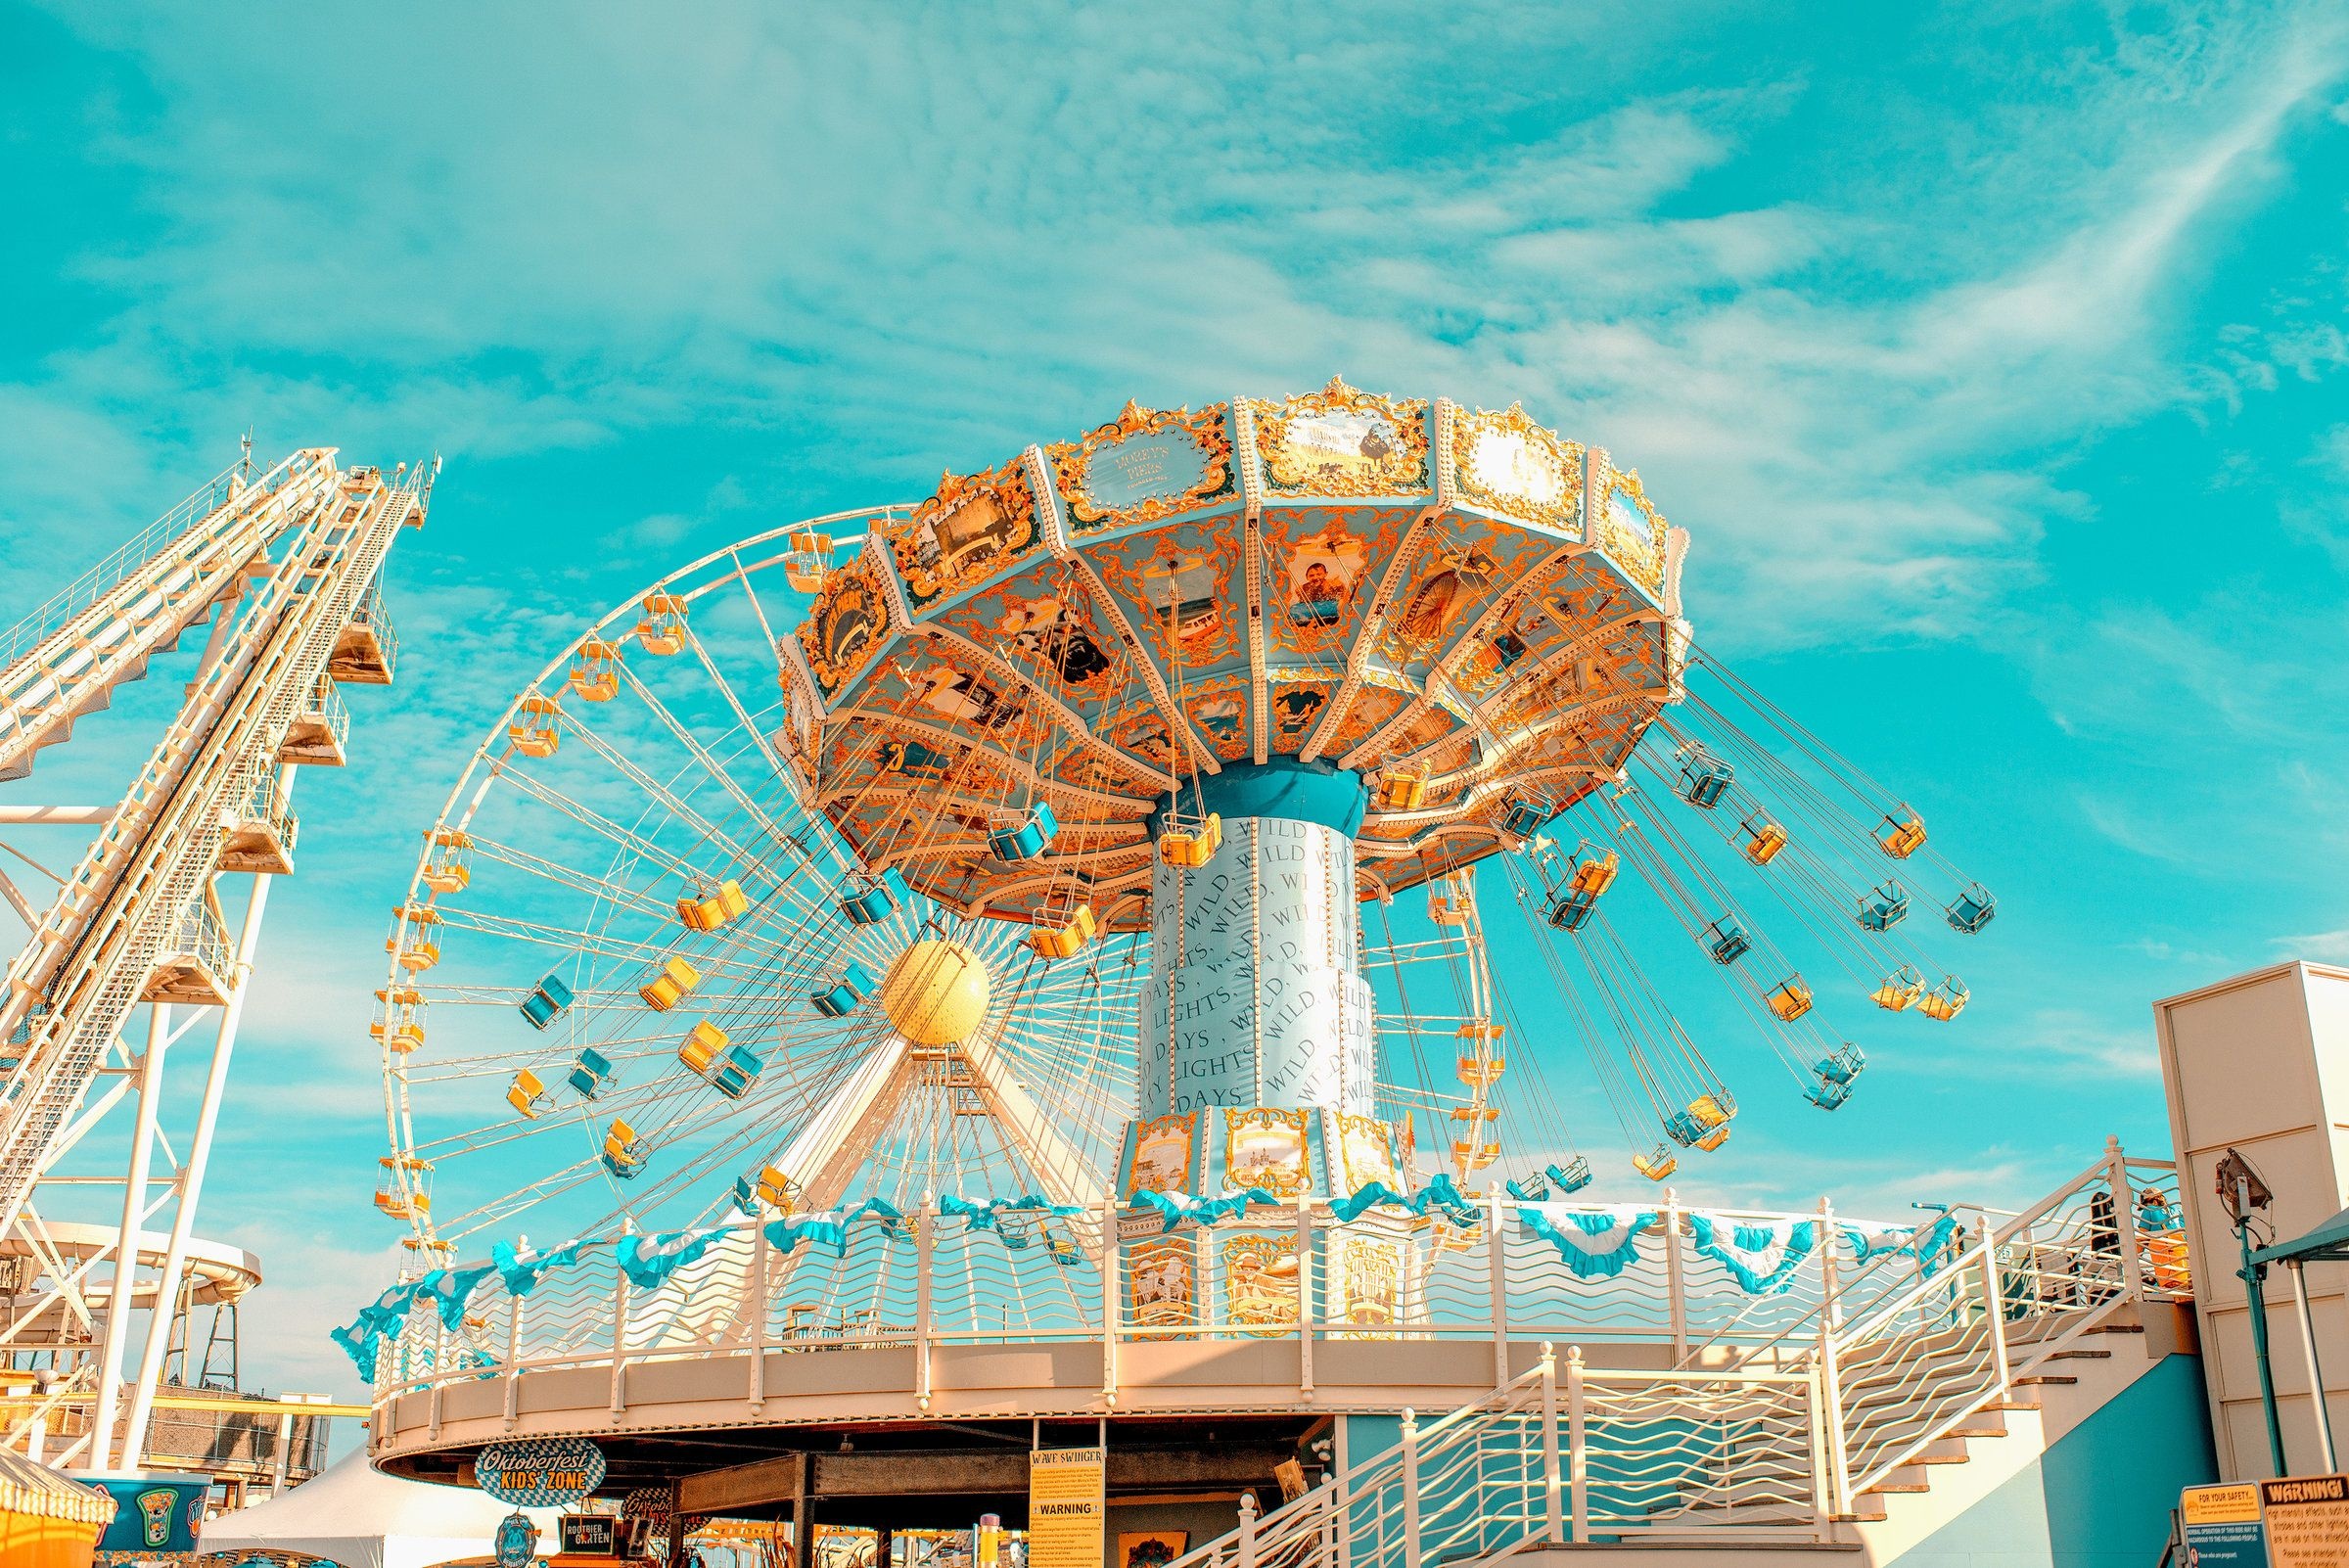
(937, 992)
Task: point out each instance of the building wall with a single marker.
(2260, 1063)
(2100, 1496)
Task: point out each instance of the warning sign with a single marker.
(2308, 1521)
(2222, 1526)
(1066, 1509)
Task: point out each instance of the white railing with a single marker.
(1571, 1454)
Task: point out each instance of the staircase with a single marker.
(1915, 1391)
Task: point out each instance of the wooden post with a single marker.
(925, 1234)
(1578, 1450)
(1410, 1488)
(1552, 1503)
(1113, 1300)
(802, 1514)
(758, 1299)
(1304, 1296)
(1994, 1302)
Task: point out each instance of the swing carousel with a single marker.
(1192, 885)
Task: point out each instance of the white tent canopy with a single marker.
(361, 1518)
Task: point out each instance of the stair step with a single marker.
(2081, 1355)
(2118, 1328)
(2037, 1379)
(1888, 1487)
(2011, 1405)
(1978, 1431)
(1941, 1458)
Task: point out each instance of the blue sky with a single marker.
(1994, 356)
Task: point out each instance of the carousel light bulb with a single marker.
(936, 992)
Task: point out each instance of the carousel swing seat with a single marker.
(1829, 1095)
(1704, 777)
(1570, 911)
(1789, 999)
(1027, 838)
(1883, 907)
(1572, 1176)
(1946, 1000)
(1899, 991)
(1727, 940)
(1190, 842)
(868, 900)
(1524, 816)
(1901, 836)
(713, 906)
(1657, 1165)
(1971, 909)
(1402, 790)
(1763, 838)
(1061, 926)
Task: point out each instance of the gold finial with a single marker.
(1337, 387)
(1132, 417)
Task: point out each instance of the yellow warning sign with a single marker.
(2237, 1504)
(1067, 1512)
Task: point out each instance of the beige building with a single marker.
(2260, 1064)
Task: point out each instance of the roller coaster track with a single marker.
(286, 567)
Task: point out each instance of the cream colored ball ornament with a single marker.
(936, 992)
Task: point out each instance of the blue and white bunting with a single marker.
(521, 1267)
(1441, 1193)
(1762, 1257)
(1595, 1243)
(448, 1289)
(649, 1261)
(1181, 1208)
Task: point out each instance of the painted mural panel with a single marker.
(975, 527)
(1145, 466)
(1340, 442)
(1505, 463)
(1165, 1280)
(1630, 530)
(1259, 1282)
(846, 628)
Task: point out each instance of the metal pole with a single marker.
(1497, 1265)
(200, 1153)
(2316, 1374)
(1993, 1302)
(2250, 1275)
(1305, 1296)
(122, 1295)
(1676, 1288)
(2124, 1202)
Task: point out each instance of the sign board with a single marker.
(2308, 1521)
(2222, 1526)
(517, 1541)
(154, 1514)
(541, 1472)
(1067, 1511)
(591, 1535)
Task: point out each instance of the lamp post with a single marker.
(2243, 1193)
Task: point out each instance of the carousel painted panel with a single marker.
(977, 529)
(1365, 1287)
(1182, 588)
(1341, 444)
(1508, 467)
(847, 627)
(1630, 528)
(1453, 575)
(1219, 710)
(1145, 467)
(1162, 1276)
(1269, 1148)
(1258, 1272)
(1295, 700)
(1079, 765)
(1046, 624)
(1376, 699)
(1365, 1149)
(1321, 573)
(1162, 1154)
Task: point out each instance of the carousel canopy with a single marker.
(1393, 615)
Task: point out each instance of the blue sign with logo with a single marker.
(153, 1513)
(517, 1540)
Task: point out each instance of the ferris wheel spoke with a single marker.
(717, 770)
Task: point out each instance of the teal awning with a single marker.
(2327, 1243)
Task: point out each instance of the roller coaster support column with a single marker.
(122, 1295)
(191, 1176)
